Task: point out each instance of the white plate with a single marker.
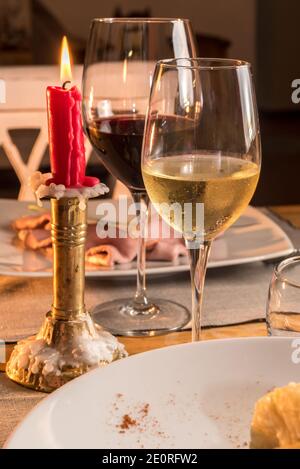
(254, 237)
(200, 395)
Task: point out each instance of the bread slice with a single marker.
(276, 419)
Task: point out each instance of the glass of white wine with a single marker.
(201, 153)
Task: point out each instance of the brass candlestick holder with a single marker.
(69, 342)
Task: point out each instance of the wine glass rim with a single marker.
(139, 20)
(278, 270)
(203, 63)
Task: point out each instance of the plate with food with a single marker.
(230, 393)
(26, 246)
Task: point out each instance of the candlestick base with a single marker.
(69, 343)
(61, 351)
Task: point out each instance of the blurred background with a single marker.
(264, 32)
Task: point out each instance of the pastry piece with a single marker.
(34, 232)
(35, 239)
(276, 419)
(32, 222)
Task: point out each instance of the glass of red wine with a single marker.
(120, 60)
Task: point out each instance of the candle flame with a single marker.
(65, 63)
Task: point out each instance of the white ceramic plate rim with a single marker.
(261, 218)
(64, 390)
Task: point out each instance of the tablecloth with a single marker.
(232, 295)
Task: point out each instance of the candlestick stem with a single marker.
(69, 342)
(68, 239)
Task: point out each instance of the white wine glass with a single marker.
(201, 153)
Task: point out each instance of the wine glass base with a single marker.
(117, 318)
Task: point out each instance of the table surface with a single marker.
(290, 214)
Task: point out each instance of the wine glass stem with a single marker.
(198, 254)
(141, 200)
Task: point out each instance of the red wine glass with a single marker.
(119, 64)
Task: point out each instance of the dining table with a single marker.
(16, 401)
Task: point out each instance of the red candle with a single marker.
(66, 138)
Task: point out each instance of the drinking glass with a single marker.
(201, 153)
(283, 307)
(119, 64)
